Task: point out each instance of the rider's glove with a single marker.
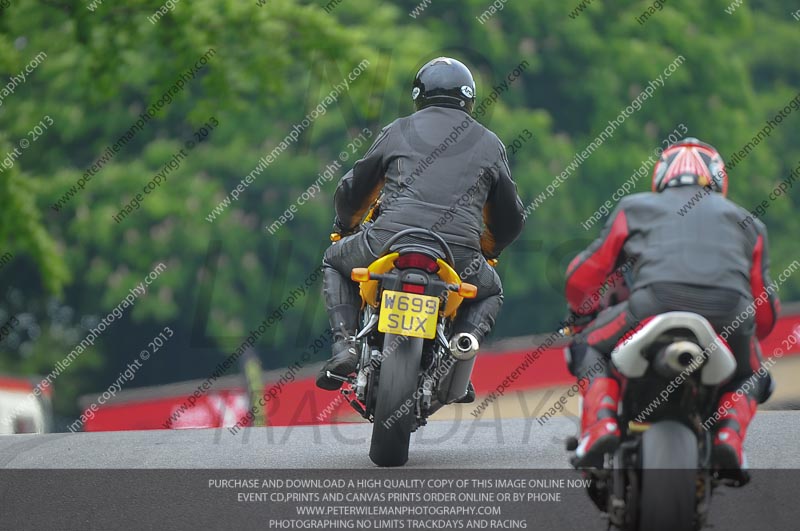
(339, 228)
(577, 322)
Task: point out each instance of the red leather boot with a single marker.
(599, 429)
(728, 452)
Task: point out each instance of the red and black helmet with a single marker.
(690, 161)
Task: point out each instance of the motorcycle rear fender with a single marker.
(384, 264)
(369, 289)
(454, 300)
(720, 363)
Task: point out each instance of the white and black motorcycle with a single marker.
(660, 477)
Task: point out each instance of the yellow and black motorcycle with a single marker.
(410, 366)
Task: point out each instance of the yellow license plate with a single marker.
(408, 314)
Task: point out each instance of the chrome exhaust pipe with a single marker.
(678, 357)
(464, 346)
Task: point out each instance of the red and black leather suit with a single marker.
(710, 259)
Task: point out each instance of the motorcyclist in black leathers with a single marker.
(690, 252)
(438, 169)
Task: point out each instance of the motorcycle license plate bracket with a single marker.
(408, 314)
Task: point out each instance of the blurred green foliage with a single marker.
(273, 64)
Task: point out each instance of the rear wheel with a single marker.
(395, 406)
(669, 459)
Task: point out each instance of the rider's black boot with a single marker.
(343, 362)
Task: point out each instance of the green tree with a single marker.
(269, 68)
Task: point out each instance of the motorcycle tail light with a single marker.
(416, 261)
(413, 288)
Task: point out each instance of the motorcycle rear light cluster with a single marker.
(416, 261)
(413, 288)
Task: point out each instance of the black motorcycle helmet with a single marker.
(444, 82)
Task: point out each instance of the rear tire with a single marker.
(397, 382)
(669, 459)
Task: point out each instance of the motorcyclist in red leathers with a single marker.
(689, 253)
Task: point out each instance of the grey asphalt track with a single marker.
(165, 493)
(501, 443)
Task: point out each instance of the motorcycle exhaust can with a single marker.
(678, 357)
(457, 383)
(464, 348)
